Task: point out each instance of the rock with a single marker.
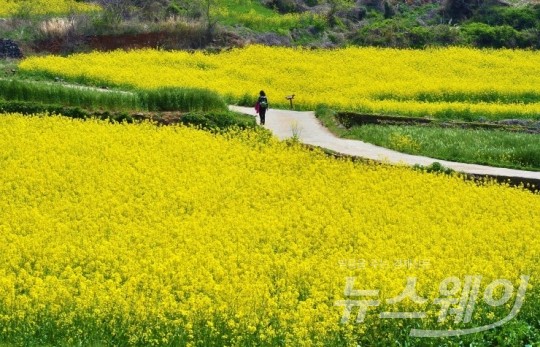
(9, 49)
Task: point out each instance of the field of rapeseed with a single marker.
(43, 7)
(446, 82)
(143, 235)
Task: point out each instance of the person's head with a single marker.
(262, 93)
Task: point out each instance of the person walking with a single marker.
(262, 106)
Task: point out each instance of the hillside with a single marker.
(182, 24)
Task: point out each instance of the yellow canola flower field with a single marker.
(144, 235)
(44, 7)
(449, 82)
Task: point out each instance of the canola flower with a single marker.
(44, 7)
(143, 235)
(443, 82)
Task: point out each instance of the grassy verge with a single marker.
(163, 99)
(490, 147)
(188, 99)
(68, 95)
(8, 67)
(327, 117)
(198, 107)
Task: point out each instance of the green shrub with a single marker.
(405, 32)
(385, 33)
(484, 35)
(420, 37)
(529, 38)
(490, 26)
(519, 18)
(445, 35)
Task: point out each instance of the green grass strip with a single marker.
(90, 98)
(489, 147)
(50, 93)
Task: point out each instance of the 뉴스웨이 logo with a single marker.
(457, 299)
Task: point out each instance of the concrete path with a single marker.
(283, 123)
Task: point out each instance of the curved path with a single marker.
(284, 124)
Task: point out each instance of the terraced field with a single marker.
(449, 83)
(123, 234)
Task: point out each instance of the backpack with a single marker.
(263, 102)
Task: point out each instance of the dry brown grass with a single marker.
(57, 27)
